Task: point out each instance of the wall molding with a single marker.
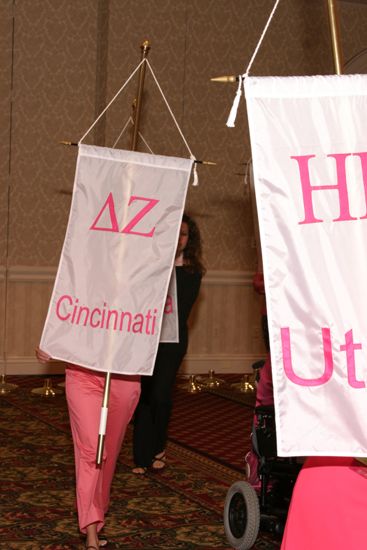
(20, 273)
(192, 364)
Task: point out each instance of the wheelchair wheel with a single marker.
(241, 516)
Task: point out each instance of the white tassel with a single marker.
(232, 115)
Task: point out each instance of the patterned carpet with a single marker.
(216, 424)
(181, 508)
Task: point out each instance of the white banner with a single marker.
(111, 287)
(169, 332)
(309, 146)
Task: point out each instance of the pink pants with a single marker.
(84, 392)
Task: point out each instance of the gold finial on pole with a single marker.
(206, 162)
(68, 143)
(230, 78)
(335, 36)
(145, 47)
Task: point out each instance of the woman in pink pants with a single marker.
(84, 392)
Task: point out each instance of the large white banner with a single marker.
(309, 147)
(110, 291)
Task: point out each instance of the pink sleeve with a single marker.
(264, 392)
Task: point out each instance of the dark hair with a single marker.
(192, 252)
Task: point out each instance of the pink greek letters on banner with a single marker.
(310, 176)
(113, 220)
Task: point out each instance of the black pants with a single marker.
(154, 408)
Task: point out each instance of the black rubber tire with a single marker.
(241, 515)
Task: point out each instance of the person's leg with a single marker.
(84, 391)
(167, 364)
(143, 428)
(124, 395)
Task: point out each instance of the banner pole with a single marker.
(145, 47)
(103, 419)
(335, 36)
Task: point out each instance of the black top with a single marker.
(188, 286)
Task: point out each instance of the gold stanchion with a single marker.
(192, 385)
(47, 390)
(211, 381)
(6, 387)
(245, 385)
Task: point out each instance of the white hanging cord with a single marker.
(129, 121)
(170, 110)
(112, 100)
(146, 143)
(145, 60)
(261, 38)
(195, 171)
(232, 115)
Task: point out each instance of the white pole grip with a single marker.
(103, 421)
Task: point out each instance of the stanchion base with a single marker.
(47, 390)
(211, 381)
(192, 385)
(244, 385)
(6, 387)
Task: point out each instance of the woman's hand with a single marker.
(42, 356)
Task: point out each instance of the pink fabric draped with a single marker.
(328, 506)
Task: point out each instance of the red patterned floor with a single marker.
(212, 425)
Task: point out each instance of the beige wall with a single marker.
(62, 61)
(230, 341)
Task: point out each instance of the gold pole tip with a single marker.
(229, 78)
(145, 45)
(68, 143)
(207, 162)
